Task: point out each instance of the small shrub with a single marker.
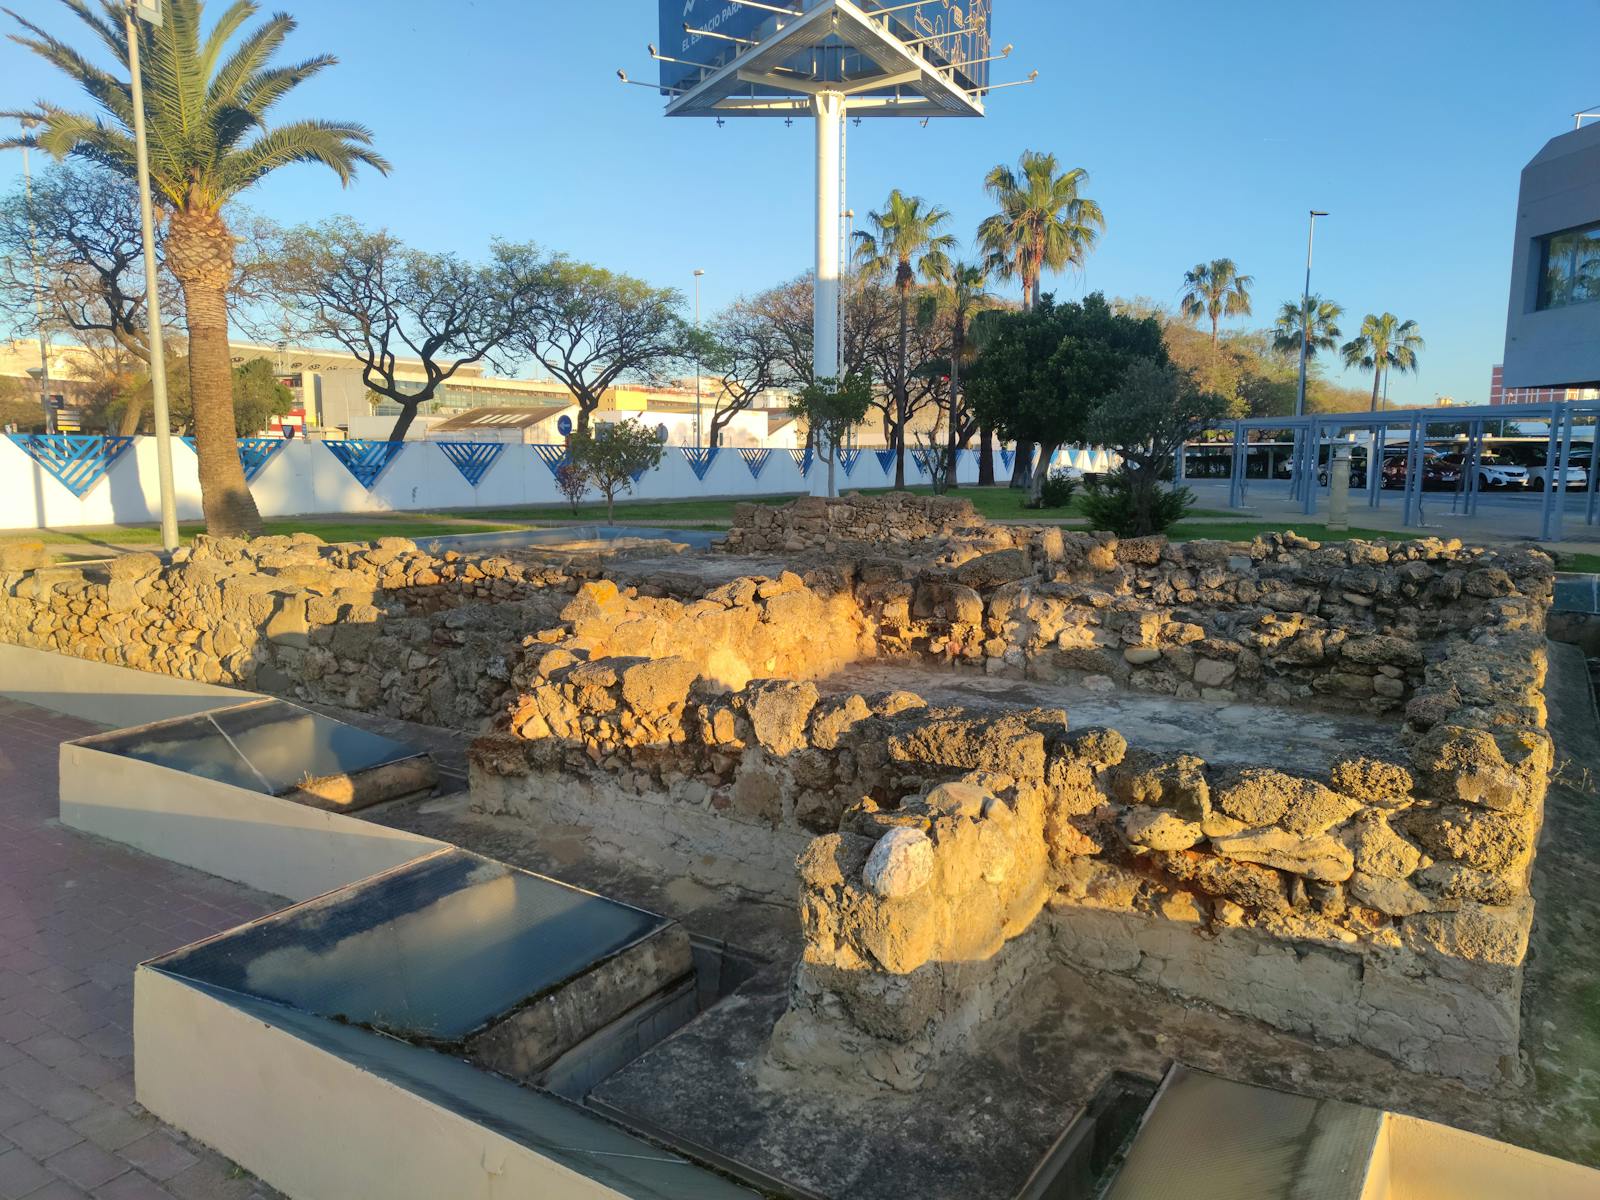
(572, 481)
(1057, 490)
(1129, 507)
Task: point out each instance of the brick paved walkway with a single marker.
(76, 915)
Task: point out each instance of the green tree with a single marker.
(1044, 222)
(206, 109)
(1215, 290)
(256, 394)
(611, 455)
(591, 327)
(1039, 373)
(1321, 330)
(905, 242)
(1385, 343)
(1147, 417)
(831, 408)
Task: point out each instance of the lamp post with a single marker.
(29, 123)
(1305, 317)
(150, 11)
(698, 438)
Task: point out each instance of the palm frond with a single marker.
(340, 148)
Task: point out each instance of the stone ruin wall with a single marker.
(383, 628)
(1385, 903)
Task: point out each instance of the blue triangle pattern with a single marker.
(363, 459)
(77, 460)
(700, 459)
(885, 460)
(472, 459)
(1007, 457)
(254, 453)
(756, 460)
(554, 457)
(803, 460)
(847, 460)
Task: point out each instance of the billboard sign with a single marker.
(946, 32)
(714, 16)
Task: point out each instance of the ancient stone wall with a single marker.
(1384, 901)
(385, 628)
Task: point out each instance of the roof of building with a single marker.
(520, 417)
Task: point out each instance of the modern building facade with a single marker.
(1553, 322)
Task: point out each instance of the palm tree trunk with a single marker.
(985, 456)
(902, 387)
(1377, 377)
(200, 252)
(958, 343)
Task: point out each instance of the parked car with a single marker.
(1438, 473)
(1575, 478)
(1493, 471)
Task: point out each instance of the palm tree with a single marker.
(205, 114)
(1384, 343)
(1044, 223)
(907, 242)
(963, 288)
(1215, 290)
(1322, 327)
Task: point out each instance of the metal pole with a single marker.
(38, 290)
(152, 302)
(1305, 317)
(829, 110)
(699, 439)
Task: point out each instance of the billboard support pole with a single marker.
(828, 107)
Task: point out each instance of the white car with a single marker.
(1575, 477)
(1498, 473)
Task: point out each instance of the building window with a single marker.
(1569, 267)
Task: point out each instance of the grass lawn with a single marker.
(995, 503)
(1587, 563)
(354, 529)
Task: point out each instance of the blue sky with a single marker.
(1208, 130)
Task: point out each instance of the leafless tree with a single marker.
(384, 302)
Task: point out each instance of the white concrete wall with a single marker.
(318, 1127)
(103, 693)
(274, 845)
(304, 478)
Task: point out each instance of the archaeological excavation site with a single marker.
(876, 850)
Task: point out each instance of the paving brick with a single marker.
(58, 1189)
(132, 1186)
(20, 1174)
(77, 914)
(158, 1156)
(86, 1165)
(113, 1128)
(43, 1136)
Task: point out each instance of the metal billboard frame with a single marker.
(833, 60)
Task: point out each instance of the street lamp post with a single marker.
(698, 437)
(135, 11)
(29, 123)
(1305, 317)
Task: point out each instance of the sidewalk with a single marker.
(76, 915)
